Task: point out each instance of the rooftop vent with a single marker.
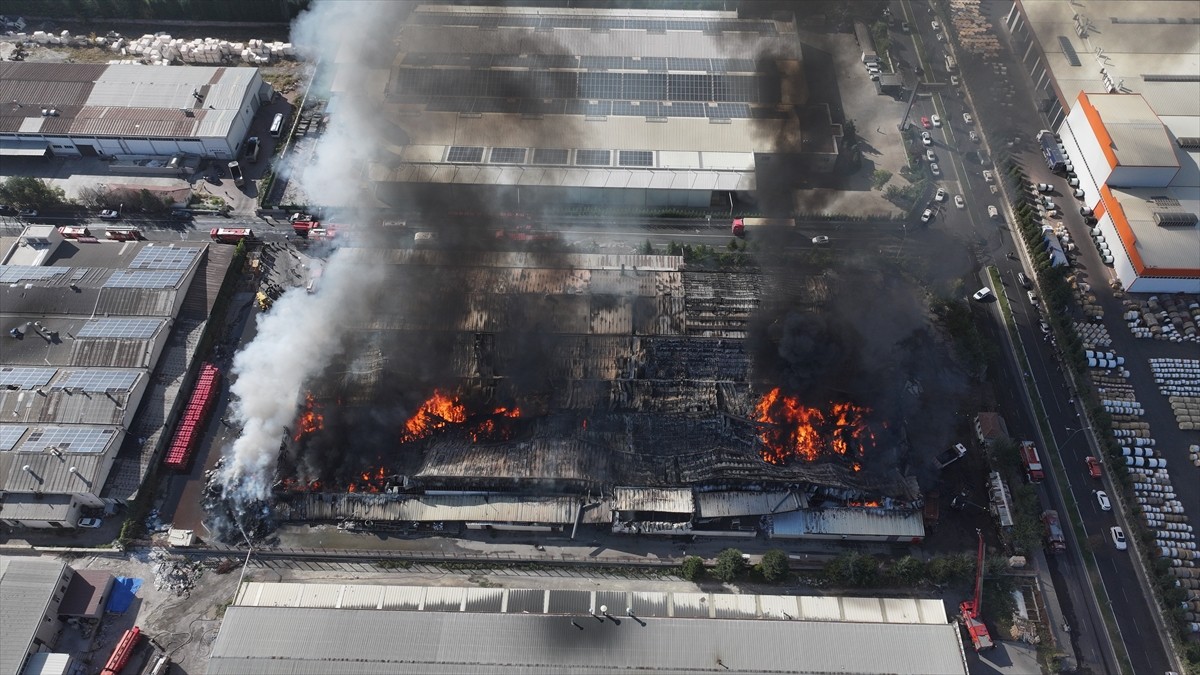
(1174, 219)
(1189, 142)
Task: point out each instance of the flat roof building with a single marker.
(126, 111)
(1120, 87)
(316, 628)
(625, 106)
(31, 591)
(84, 326)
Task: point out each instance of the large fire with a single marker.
(792, 430)
(311, 419)
(443, 410)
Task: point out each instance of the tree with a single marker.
(730, 565)
(647, 248)
(692, 568)
(879, 178)
(27, 192)
(908, 571)
(774, 566)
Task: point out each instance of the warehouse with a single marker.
(126, 111)
(640, 108)
(84, 326)
(321, 628)
(1120, 88)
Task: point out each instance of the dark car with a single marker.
(27, 213)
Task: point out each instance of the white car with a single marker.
(927, 215)
(958, 201)
(987, 176)
(1102, 499)
(822, 239)
(926, 138)
(935, 25)
(929, 156)
(973, 136)
(90, 523)
(982, 294)
(967, 118)
(935, 169)
(954, 80)
(940, 195)
(110, 214)
(993, 212)
(1118, 537)
(1046, 331)
(937, 121)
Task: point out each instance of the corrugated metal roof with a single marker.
(32, 408)
(443, 508)
(51, 474)
(663, 500)
(26, 588)
(29, 507)
(1161, 247)
(128, 121)
(256, 640)
(850, 522)
(732, 504)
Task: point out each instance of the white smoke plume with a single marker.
(302, 333)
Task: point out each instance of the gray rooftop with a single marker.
(26, 586)
(299, 641)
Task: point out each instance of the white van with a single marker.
(277, 125)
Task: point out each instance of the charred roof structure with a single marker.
(641, 107)
(85, 324)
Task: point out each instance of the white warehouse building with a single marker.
(126, 111)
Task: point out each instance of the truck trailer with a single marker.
(1056, 542)
(1033, 463)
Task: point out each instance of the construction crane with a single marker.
(971, 610)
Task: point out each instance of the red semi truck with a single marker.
(1033, 463)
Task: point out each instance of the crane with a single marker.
(971, 610)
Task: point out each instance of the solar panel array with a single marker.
(144, 279)
(11, 274)
(599, 108)
(25, 377)
(593, 157)
(99, 380)
(460, 153)
(9, 435)
(134, 329)
(635, 158)
(571, 62)
(70, 439)
(508, 156)
(591, 23)
(551, 156)
(418, 84)
(1068, 50)
(164, 258)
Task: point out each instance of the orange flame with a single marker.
(444, 410)
(311, 419)
(793, 430)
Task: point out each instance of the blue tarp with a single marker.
(124, 588)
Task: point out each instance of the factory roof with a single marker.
(1129, 131)
(122, 99)
(26, 587)
(662, 500)
(1167, 249)
(270, 640)
(745, 503)
(898, 524)
(485, 508)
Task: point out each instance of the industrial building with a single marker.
(1121, 89)
(85, 324)
(634, 107)
(125, 111)
(275, 628)
(37, 597)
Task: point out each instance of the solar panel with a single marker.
(25, 377)
(70, 439)
(683, 109)
(99, 380)
(1068, 50)
(674, 63)
(635, 158)
(466, 154)
(550, 156)
(508, 155)
(135, 329)
(164, 258)
(9, 435)
(144, 279)
(593, 158)
(11, 274)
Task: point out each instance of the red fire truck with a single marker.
(231, 235)
(74, 232)
(1033, 463)
(740, 225)
(122, 234)
(302, 224)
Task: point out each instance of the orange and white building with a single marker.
(1120, 83)
(1143, 184)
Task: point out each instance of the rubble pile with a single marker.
(173, 573)
(232, 519)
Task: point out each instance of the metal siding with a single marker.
(815, 608)
(867, 610)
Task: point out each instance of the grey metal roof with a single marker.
(742, 503)
(269, 640)
(31, 408)
(1138, 135)
(835, 522)
(449, 508)
(51, 474)
(26, 588)
(42, 301)
(666, 500)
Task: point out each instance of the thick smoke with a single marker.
(302, 334)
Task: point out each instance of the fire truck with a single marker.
(231, 235)
(122, 234)
(303, 223)
(740, 225)
(1033, 463)
(971, 611)
(74, 232)
(1056, 542)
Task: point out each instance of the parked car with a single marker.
(926, 215)
(1024, 280)
(935, 25)
(940, 195)
(935, 169)
(967, 118)
(1118, 537)
(973, 136)
(954, 80)
(1045, 327)
(987, 176)
(1033, 299)
(235, 172)
(252, 148)
(926, 123)
(937, 121)
(820, 239)
(929, 156)
(993, 212)
(982, 294)
(926, 138)
(90, 523)
(958, 201)
(1102, 499)
(110, 214)
(905, 27)
(1093, 466)
(27, 213)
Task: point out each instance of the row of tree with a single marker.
(27, 192)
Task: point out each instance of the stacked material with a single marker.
(1171, 318)
(1179, 381)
